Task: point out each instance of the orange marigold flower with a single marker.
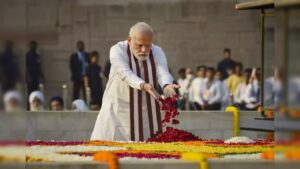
(268, 155)
(107, 157)
(292, 155)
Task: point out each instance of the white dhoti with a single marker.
(127, 113)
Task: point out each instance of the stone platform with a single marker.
(150, 164)
(70, 126)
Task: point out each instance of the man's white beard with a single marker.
(142, 58)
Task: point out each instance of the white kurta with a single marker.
(113, 121)
(183, 83)
(245, 93)
(195, 90)
(212, 94)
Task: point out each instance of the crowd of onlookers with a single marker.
(13, 102)
(210, 88)
(206, 88)
(86, 75)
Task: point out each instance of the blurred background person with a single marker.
(34, 74)
(9, 67)
(245, 97)
(189, 74)
(230, 71)
(226, 63)
(79, 105)
(12, 101)
(36, 101)
(183, 83)
(189, 77)
(78, 66)
(94, 79)
(224, 90)
(56, 103)
(256, 83)
(194, 90)
(235, 79)
(273, 89)
(211, 94)
(294, 91)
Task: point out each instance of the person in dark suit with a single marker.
(78, 67)
(8, 67)
(226, 63)
(94, 79)
(34, 74)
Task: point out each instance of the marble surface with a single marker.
(72, 126)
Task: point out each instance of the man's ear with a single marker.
(129, 39)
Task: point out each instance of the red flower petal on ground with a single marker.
(174, 121)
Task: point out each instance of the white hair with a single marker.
(36, 94)
(12, 94)
(140, 27)
(80, 105)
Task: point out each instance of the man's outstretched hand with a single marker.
(170, 90)
(150, 89)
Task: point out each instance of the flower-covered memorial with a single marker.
(173, 143)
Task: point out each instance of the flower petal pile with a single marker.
(173, 135)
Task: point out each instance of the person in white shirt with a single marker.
(194, 90)
(183, 90)
(210, 92)
(245, 94)
(225, 92)
(189, 74)
(256, 83)
(273, 89)
(182, 81)
(130, 110)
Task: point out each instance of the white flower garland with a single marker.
(243, 156)
(239, 139)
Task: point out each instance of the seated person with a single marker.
(56, 103)
(36, 101)
(12, 101)
(79, 105)
(210, 92)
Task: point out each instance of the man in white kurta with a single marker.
(128, 112)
